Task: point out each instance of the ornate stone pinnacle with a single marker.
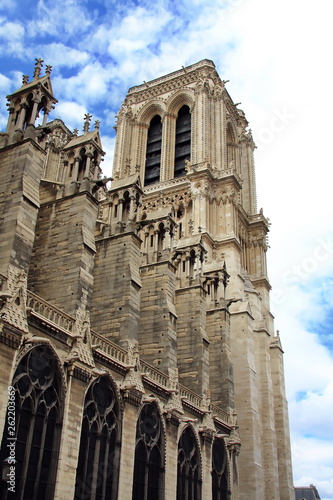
(97, 124)
(25, 79)
(48, 69)
(87, 119)
(38, 66)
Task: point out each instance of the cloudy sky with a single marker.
(277, 55)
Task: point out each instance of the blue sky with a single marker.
(277, 56)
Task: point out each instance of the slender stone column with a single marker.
(87, 169)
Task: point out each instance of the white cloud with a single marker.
(5, 83)
(71, 113)
(313, 464)
(66, 18)
(7, 4)
(60, 55)
(315, 410)
(12, 35)
(11, 31)
(108, 147)
(88, 86)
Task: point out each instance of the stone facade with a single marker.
(135, 326)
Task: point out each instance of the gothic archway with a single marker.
(220, 473)
(188, 467)
(39, 392)
(98, 462)
(148, 475)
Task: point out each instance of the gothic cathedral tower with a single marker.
(136, 339)
(203, 260)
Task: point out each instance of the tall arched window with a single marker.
(98, 463)
(188, 467)
(219, 471)
(183, 140)
(148, 461)
(231, 147)
(38, 418)
(153, 152)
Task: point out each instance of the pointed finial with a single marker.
(97, 124)
(38, 66)
(87, 118)
(25, 79)
(76, 132)
(48, 69)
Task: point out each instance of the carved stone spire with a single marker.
(38, 68)
(87, 118)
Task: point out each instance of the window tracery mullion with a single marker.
(95, 466)
(85, 463)
(105, 469)
(146, 478)
(40, 458)
(27, 455)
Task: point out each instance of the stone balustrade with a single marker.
(50, 312)
(109, 348)
(155, 375)
(221, 414)
(190, 397)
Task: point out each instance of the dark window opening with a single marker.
(219, 471)
(231, 148)
(183, 141)
(188, 476)
(98, 463)
(148, 464)
(153, 152)
(38, 419)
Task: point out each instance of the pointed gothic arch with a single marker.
(99, 453)
(220, 471)
(148, 476)
(231, 146)
(38, 385)
(183, 140)
(188, 467)
(153, 151)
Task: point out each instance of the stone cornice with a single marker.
(205, 63)
(179, 79)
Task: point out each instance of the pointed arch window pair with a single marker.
(39, 394)
(98, 462)
(220, 490)
(154, 146)
(149, 461)
(188, 467)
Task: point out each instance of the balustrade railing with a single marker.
(50, 312)
(108, 347)
(189, 396)
(219, 413)
(155, 375)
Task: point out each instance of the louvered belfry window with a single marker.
(183, 140)
(153, 152)
(188, 468)
(148, 461)
(38, 419)
(219, 471)
(98, 463)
